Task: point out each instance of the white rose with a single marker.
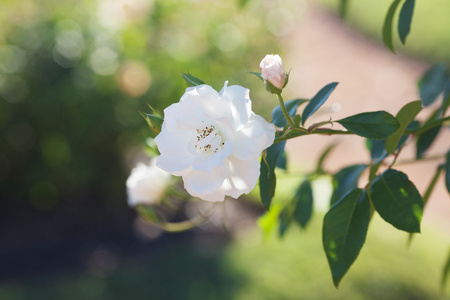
(213, 140)
(272, 71)
(147, 184)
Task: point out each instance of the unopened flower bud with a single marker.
(272, 72)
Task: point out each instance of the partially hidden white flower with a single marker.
(147, 184)
(272, 71)
(213, 140)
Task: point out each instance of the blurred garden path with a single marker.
(321, 49)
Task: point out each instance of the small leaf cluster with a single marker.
(386, 191)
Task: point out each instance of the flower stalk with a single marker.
(285, 113)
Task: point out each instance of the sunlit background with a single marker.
(74, 76)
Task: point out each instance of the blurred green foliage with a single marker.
(250, 269)
(74, 76)
(428, 39)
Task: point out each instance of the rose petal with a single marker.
(256, 136)
(238, 99)
(201, 184)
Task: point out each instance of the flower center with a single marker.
(208, 139)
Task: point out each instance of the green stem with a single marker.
(283, 109)
(182, 226)
(430, 125)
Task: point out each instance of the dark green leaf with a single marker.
(267, 178)
(387, 28)
(346, 180)
(192, 80)
(317, 101)
(447, 172)
(372, 125)
(324, 155)
(377, 149)
(374, 169)
(445, 271)
(291, 107)
(282, 161)
(285, 219)
(432, 84)
(344, 232)
(397, 200)
(404, 21)
(426, 138)
(404, 117)
(303, 203)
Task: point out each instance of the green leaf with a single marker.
(404, 117)
(267, 178)
(324, 155)
(426, 138)
(155, 122)
(257, 75)
(447, 172)
(317, 101)
(372, 125)
(397, 200)
(303, 200)
(387, 28)
(404, 21)
(192, 80)
(291, 107)
(285, 219)
(269, 220)
(344, 232)
(432, 84)
(282, 161)
(377, 149)
(445, 271)
(346, 180)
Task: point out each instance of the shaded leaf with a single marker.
(426, 138)
(404, 117)
(372, 125)
(404, 21)
(317, 101)
(346, 180)
(303, 203)
(282, 161)
(291, 107)
(432, 84)
(446, 100)
(377, 149)
(344, 232)
(387, 28)
(324, 155)
(285, 219)
(397, 200)
(267, 178)
(191, 80)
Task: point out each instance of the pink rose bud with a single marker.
(272, 71)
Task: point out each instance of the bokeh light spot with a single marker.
(134, 78)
